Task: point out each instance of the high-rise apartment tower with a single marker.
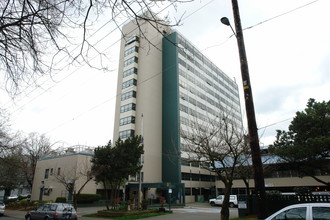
(163, 82)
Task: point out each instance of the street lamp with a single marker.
(250, 114)
(225, 21)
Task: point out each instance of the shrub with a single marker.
(144, 204)
(9, 201)
(23, 202)
(39, 203)
(61, 199)
(23, 197)
(87, 198)
(123, 207)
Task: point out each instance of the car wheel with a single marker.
(28, 217)
(212, 204)
(46, 218)
(231, 205)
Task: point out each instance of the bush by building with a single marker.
(88, 198)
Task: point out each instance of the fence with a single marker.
(248, 205)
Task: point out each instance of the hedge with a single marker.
(87, 198)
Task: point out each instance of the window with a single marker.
(185, 176)
(192, 101)
(184, 120)
(184, 108)
(46, 173)
(127, 120)
(46, 193)
(51, 171)
(58, 171)
(126, 134)
(46, 207)
(53, 207)
(321, 213)
(194, 177)
(131, 40)
(187, 191)
(131, 50)
(182, 62)
(132, 178)
(129, 72)
(195, 191)
(128, 107)
(292, 214)
(128, 95)
(130, 61)
(129, 83)
(205, 178)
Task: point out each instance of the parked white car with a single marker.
(219, 200)
(306, 211)
(2, 208)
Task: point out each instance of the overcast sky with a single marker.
(288, 53)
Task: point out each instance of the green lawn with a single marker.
(145, 215)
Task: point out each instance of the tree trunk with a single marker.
(249, 196)
(112, 192)
(75, 195)
(117, 196)
(75, 200)
(247, 186)
(7, 193)
(106, 195)
(225, 204)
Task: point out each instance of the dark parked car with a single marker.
(52, 211)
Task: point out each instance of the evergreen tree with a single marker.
(112, 165)
(305, 147)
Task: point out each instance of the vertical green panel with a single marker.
(171, 165)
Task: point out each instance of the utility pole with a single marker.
(251, 119)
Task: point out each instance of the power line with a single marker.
(66, 56)
(264, 128)
(280, 15)
(96, 106)
(76, 70)
(104, 102)
(262, 22)
(275, 123)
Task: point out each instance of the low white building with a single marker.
(55, 173)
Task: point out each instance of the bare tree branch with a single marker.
(219, 145)
(35, 36)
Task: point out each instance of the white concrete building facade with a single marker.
(163, 82)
